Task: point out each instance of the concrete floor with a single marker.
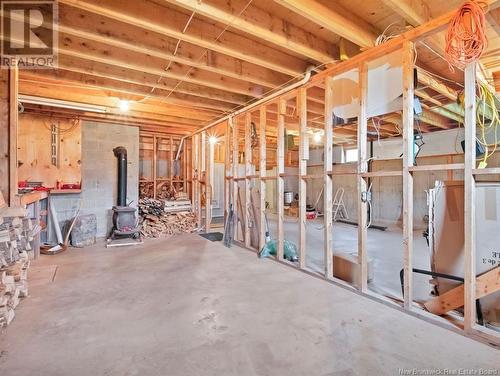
(187, 306)
(385, 248)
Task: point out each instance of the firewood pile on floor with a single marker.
(164, 190)
(155, 222)
(15, 237)
(146, 189)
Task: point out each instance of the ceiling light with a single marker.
(124, 105)
(317, 137)
(29, 99)
(212, 140)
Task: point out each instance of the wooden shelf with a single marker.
(65, 191)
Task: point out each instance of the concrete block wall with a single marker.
(99, 169)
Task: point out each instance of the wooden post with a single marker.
(362, 183)
(234, 123)
(408, 161)
(36, 240)
(8, 134)
(201, 171)
(262, 174)
(195, 145)
(328, 183)
(470, 199)
(227, 171)
(248, 172)
(279, 179)
(209, 184)
(303, 158)
(155, 163)
(13, 132)
(171, 161)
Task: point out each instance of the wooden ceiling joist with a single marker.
(265, 26)
(164, 85)
(162, 48)
(415, 12)
(153, 17)
(356, 31)
(141, 63)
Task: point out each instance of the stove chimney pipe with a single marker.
(121, 154)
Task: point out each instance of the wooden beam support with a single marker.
(105, 31)
(470, 199)
(361, 180)
(261, 24)
(201, 173)
(358, 32)
(209, 184)
(303, 158)
(195, 148)
(408, 161)
(234, 123)
(415, 12)
(262, 174)
(13, 133)
(280, 155)
(486, 284)
(227, 170)
(248, 172)
(328, 182)
(152, 17)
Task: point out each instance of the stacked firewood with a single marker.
(13, 287)
(15, 237)
(156, 223)
(146, 189)
(165, 191)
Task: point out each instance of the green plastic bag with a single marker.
(290, 250)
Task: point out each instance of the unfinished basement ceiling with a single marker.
(185, 63)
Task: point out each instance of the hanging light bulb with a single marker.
(124, 105)
(212, 140)
(317, 137)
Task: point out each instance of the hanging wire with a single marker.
(207, 50)
(176, 49)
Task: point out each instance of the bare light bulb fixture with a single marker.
(212, 140)
(317, 137)
(124, 105)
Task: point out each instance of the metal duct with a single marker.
(121, 154)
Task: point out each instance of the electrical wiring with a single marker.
(176, 49)
(207, 50)
(466, 39)
(487, 104)
(384, 37)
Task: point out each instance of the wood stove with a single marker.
(125, 221)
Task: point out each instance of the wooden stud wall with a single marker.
(324, 80)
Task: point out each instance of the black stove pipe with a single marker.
(121, 154)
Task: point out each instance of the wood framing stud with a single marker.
(280, 181)
(262, 174)
(361, 181)
(13, 133)
(470, 199)
(328, 182)
(303, 157)
(408, 161)
(248, 172)
(234, 124)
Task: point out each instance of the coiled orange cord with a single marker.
(466, 35)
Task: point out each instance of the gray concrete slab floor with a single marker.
(188, 306)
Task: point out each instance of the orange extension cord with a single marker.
(466, 36)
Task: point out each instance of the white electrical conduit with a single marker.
(304, 80)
